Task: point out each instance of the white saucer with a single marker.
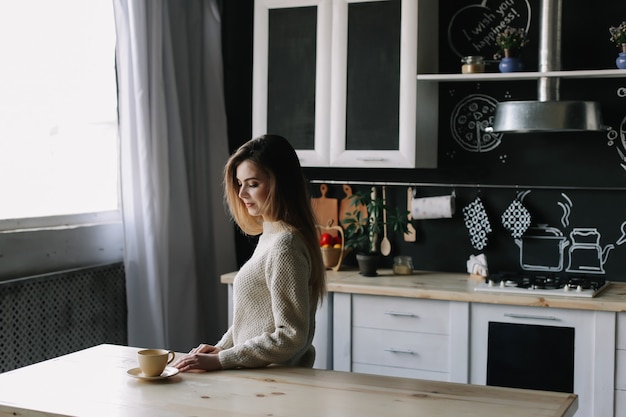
(167, 372)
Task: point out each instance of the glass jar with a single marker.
(402, 265)
(472, 64)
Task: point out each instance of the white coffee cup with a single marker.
(153, 361)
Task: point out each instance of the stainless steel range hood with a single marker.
(547, 116)
(548, 113)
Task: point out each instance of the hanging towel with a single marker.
(477, 223)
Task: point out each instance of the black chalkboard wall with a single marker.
(574, 183)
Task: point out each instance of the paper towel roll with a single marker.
(441, 207)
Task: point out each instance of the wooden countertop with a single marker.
(459, 287)
(94, 382)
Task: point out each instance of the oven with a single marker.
(547, 349)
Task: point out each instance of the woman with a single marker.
(276, 292)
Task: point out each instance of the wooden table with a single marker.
(94, 382)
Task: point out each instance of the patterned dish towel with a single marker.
(516, 219)
(477, 223)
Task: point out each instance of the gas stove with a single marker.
(568, 286)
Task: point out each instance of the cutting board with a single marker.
(345, 205)
(326, 209)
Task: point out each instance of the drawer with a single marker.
(364, 368)
(397, 313)
(620, 338)
(620, 369)
(400, 349)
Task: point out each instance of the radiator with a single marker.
(45, 316)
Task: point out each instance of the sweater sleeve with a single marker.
(227, 339)
(287, 271)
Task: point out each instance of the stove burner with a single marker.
(580, 285)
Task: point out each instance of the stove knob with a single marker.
(579, 288)
(490, 283)
(502, 284)
(566, 288)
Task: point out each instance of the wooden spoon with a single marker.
(385, 244)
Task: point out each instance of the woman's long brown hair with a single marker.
(288, 199)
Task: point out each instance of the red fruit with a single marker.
(326, 239)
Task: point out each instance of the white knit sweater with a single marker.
(273, 312)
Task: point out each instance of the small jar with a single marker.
(472, 64)
(402, 265)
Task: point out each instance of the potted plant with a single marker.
(362, 231)
(618, 36)
(510, 43)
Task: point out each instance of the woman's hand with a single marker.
(202, 348)
(201, 358)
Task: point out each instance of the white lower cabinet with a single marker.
(448, 341)
(444, 340)
(398, 336)
(620, 366)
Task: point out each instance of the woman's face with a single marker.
(254, 187)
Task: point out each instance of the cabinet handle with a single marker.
(370, 159)
(399, 313)
(395, 350)
(530, 316)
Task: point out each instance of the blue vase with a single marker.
(511, 64)
(621, 60)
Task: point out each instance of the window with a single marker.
(58, 110)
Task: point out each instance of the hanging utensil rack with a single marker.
(466, 185)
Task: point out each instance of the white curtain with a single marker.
(173, 143)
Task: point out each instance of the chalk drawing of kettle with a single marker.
(586, 255)
(622, 238)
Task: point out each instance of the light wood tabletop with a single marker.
(96, 382)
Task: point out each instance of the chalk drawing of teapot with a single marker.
(586, 255)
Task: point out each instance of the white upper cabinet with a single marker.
(338, 79)
(291, 75)
(373, 119)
